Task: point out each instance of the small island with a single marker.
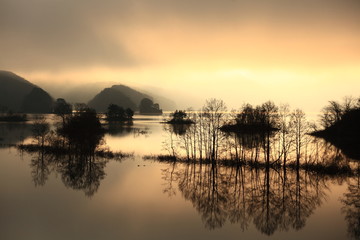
(116, 113)
(148, 107)
(179, 117)
(341, 127)
(252, 120)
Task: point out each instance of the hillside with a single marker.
(111, 96)
(20, 95)
(121, 95)
(38, 101)
(83, 93)
(134, 95)
(13, 90)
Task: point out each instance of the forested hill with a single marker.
(120, 95)
(19, 95)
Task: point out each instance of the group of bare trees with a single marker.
(334, 111)
(265, 133)
(79, 132)
(252, 191)
(201, 140)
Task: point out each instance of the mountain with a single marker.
(20, 95)
(133, 94)
(83, 93)
(38, 101)
(79, 93)
(165, 103)
(121, 95)
(13, 90)
(111, 96)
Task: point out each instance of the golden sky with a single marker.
(299, 52)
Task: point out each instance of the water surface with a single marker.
(144, 199)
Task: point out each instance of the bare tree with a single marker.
(331, 114)
(300, 127)
(40, 129)
(286, 126)
(349, 103)
(269, 112)
(214, 111)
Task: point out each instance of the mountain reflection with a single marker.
(13, 133)
(270, 199)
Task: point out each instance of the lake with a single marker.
(134, 198)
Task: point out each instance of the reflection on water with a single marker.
(78, 173)
(271, 199)
(13, 133)
(351, 205)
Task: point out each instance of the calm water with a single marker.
(143, 199)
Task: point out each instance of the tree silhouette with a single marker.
(62, 108)
(83, 131)
(117, 113)
(40, 129)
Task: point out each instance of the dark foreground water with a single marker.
(42, 198)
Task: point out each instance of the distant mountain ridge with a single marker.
(133, 94)
(85, 92)
(19, 95)
(121, 95)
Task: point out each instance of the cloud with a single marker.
(55, 35)
(64, 34)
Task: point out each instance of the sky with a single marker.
(304, 53)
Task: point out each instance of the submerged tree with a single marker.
(286, 129)
(213, 114)
(83, 131)
(300, 130)
(179, 117)
(62, 108)
(40, 129)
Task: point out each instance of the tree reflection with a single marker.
(40, 169)
(272, 200)
(83, 175)
(73, 151)
(351, 208)
(120, 129)
(170, 176)
(79, 172)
